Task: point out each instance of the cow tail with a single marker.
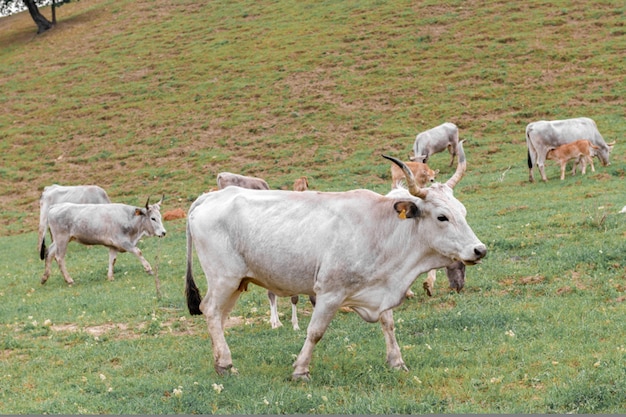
(530, 161)
(42, 251)
(191, 290)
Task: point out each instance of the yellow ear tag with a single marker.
(402, 214)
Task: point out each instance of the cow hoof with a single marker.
(302, 377)
(410, 294)
(427, 289)
(226, 370)
(44, 280)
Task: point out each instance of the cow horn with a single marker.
(611, 143)
(460, 168)
(410, 179)
(148, 202)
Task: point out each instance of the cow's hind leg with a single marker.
(216, 306)
(394, 357)
(48, 263)
(59, 255)
(274, 319)
(294, 312)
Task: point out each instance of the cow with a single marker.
(116, 226)
(422, 172)
(355, 248)
(301, 184)
(435, 140)
(542, 136)
(456, 278)
(224, 179)
(54, 194)
(581, 150)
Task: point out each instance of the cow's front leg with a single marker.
(429, 282)
(112, 259)
(394, 357)
(146, 266)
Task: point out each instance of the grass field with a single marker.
(149, 97)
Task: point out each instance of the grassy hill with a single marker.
(156, 97)
(146, 97)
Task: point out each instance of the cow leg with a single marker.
(48, 263)
(429, 283)
(112, 259)
(294, 312)
(274, 320)
(216, 306)
(59, 255)
(583, 161)
(137, 252)
(563, 170)
(590, 159)
(394, 357)
(320, 319)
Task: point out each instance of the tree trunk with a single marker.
(42, 23)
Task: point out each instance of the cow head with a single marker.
(152, 215)
(603, 153)
(441, 215)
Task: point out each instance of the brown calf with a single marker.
(423, 174)
(581, 150)
(301, 184)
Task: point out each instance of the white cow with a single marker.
(116, 226)
(542, 136)
(54, 194)
(224, 179)
(437, 139)
(356, 248)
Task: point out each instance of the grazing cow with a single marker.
(436, 140)
(581, 150)
(224, 179)
(54, 194)
(456, 278)
(116, 226)
(422, 172)
(301, 184)
(543, 136)
(355, 248)
(175, 214)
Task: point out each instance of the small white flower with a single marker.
(265, 401)
(428, 347)
(47, 323)
(178, 392)
(324, 398)
(416, 379)
(509, 333)
(102, 377)
(218, 388)
(309, 396)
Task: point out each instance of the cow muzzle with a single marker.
(480, 251)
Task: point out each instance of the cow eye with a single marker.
(442, 218)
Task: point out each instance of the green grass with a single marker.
(146, 97)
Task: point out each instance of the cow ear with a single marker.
(406, 209)
(138, 212)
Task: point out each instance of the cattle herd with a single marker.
(355, 249)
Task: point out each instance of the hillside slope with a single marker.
(144, 97)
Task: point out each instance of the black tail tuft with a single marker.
(42, 252)
(193, 295)
(530, 162)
